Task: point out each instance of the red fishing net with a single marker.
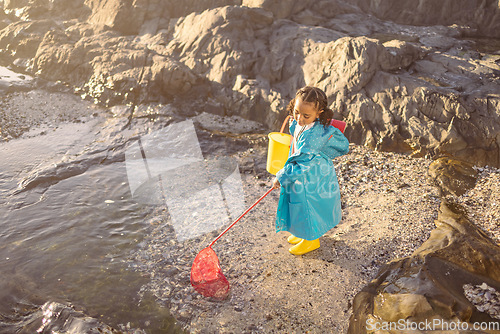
(207, 277)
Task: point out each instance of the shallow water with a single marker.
(71, 231)
(69, 240)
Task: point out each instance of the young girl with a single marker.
(309, 202)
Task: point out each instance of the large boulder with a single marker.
(221, 43)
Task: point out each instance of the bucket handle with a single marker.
(283, 128)
(284, 123)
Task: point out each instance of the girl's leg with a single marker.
(293, 239)
(305, 246)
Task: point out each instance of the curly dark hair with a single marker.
(316, 96)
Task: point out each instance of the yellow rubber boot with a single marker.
(305, 246)
(293, 239)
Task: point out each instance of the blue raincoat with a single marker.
(309, 204)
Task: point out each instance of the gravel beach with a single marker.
(389, 207)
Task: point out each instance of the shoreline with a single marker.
(389, 208)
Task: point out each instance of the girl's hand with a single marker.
(276, 184)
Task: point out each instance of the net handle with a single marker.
(241, 216)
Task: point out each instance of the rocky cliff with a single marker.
(407, 76)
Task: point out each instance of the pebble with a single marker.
(485, 298)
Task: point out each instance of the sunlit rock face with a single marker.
(422, 79)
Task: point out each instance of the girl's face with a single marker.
(305, 112)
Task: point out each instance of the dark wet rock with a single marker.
(56, 317)
(453, 177)
(433, 282)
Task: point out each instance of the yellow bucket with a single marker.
(277, 154)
